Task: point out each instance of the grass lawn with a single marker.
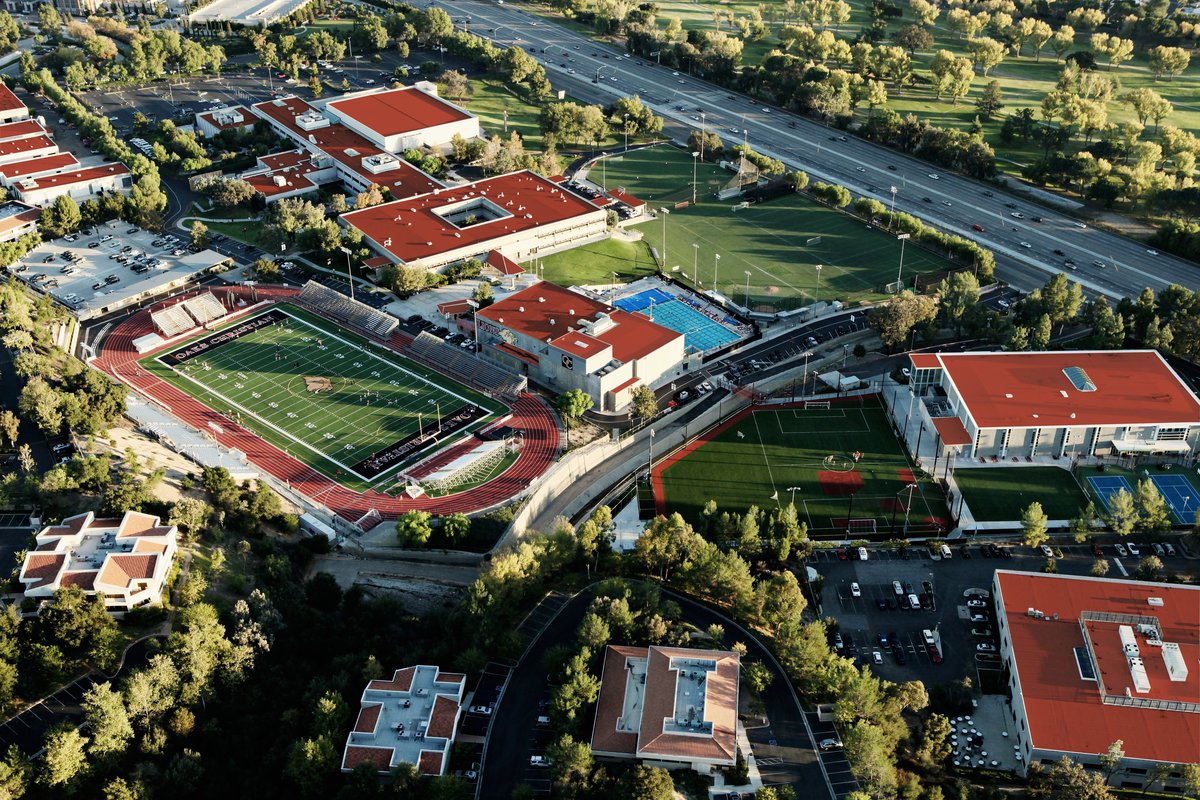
(594, 264)
(376, 412)
(1000, 494)
(768, 240)
(241, 231)
(490, 99)
(769, 451)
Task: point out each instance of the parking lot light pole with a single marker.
(349, 275)
(695, 156)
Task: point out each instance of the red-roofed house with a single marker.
(79, 184)
(125, 559)
(1096, 660)
(359, 163)
(409, 719)
(396, 120)
(668, 705)
(566, 340)
(1080, 402)
(520, 214)
(11, 106)
(230, 118)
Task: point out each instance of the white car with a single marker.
(1004, 304)
(1152, 252)
(947, 203)
(855, 590)
(1120, 548)
(934, 176)
(58, 448)
(485, 710)
(535, 761)
(877, 656)
(1133, 549)
(985, 647)
(1017, 215)
(1047, 552)
(1027, 245)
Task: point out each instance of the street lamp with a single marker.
(908, 508)
(650, 470)
(696, 262)
(716, 263)
(695, 155)
(747, 290)
(817, 291)
(349, 275)
(899, 281)
(625, 127)
(793, 490)
(892, 213)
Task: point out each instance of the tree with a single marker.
(1033, 525)
(1068, 780)
(958, 295)
(782, 600)
(1170, 61)
(266, 270)
(64, 761)
(645, 403)
(913, 38)
(951, 75)
(1110, 759)
(899, 315)
(631, 116)
(649, 783)
(1150, 568)
(483, 295)
(989, 101)
(1153, 514)
(455, 527)
(1099, 568)
(1039, 336)
(1147, 104)
(49, 20)
(986, 52)
(60, 217)
(1122, 513)
(190, 514)
(1116, 49)
(10, 425)
(572, 405)
(414, 528)
(1062, 41)
(570, 762)
(107, 721)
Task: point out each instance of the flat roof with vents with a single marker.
(1069, 388)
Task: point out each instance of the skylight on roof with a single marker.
(1079, 379)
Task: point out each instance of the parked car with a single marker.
(1097, 550)
(1170, 548)
(982, 632)
(862, 554)
(876, 657)
(976, 603)
(1134, 550)
(538, 761)
(831, 744)
(855, 590)
(985, 647)
(1046, 551)
(1120, 548)
(484, 710)
(1158, 550)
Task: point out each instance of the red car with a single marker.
(977, 227)
(934, 655)
(1096, 549)
(843, 554)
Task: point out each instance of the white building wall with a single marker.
(77, 191)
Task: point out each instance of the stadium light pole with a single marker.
(349, 275)
(665, 213)
(908, 507)
(625, 128)
(716, 263)
(899, 284)
(891, 214)
(650, 462)
(817, 291)
(793, 490)
(695, 156)
(696, 263)
(747, 290)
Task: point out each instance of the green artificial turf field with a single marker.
(1000, 494)
(760, 457)
(769, 240)
(349, 409)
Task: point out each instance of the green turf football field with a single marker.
(374, 398)
(769, 240)
(1000, 494)
(772, 450)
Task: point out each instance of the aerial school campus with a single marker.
(389, 454)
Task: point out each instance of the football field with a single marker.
(842, 465)
(354, 411)
(779, 243)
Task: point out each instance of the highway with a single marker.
(1029, 248)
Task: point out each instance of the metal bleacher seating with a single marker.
(466, 366)
(205, 308)
(172, 321)
(352, 312)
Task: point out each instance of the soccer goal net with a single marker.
(822, 404)
(863, 526)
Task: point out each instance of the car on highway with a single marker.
(1017, 215)
(892, 167)
(977, 227)
(934, 176)
(1027, 245)
(947, 203)
(926, 200)
(1152, 252)
(1098, 263)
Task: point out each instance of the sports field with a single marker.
(759, 456)
(769, 240)
(351, 410)
(1000, 494)
(1176, 484)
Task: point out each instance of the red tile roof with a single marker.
(42, 568)
(293, 167)
(84, 580)
(19, 220)
(623, 386)
(135, 522)
(449, 677)
(377, 262)
(348, 148)
(397, 111)
(611, 702)
(442, 717)
(40, 164)
(550, 309)
(952, 431)
(104, 522)
(148, 546)
(124, 570)
(720, 707)
(1028, 390)
(401, 681)
(8, 100)
(580, 344)
(429, 762)
(76, 176)
(368, 716)
(626, 198)
(378, 757)
(503, 264)
(1064, 712)
(416, 231)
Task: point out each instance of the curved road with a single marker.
(1105, 263)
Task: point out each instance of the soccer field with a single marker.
(769, 240)
(762, 455)
(353, 411)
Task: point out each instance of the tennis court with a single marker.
(1180, 495)
(350, 410)
(841, 464)
(1105, 486)
(700, 332)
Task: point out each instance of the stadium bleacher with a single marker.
(172, 321)
(351, 312)
(205, 308)
(465, 366)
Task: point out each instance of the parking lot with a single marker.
(28, 729)
(957, 614)
(109, 266)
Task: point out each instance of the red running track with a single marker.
(529, 414)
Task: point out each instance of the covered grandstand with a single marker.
(475, 463)
(481, 374)
(205, 308)
(351, 312)
(172, 320)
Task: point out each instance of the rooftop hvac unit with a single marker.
(1155, 601)
(1147, 630)
(1128, 641)
(1137, 670)
(1177, 669)
(387, 242)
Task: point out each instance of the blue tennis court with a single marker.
(1179, 493)
(1105, 486)
(641, 300)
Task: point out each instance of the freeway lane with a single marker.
(1104, 263)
